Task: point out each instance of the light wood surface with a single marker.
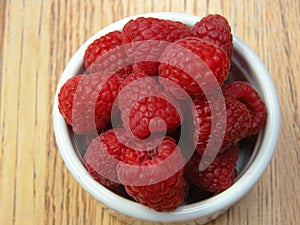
(37, 39)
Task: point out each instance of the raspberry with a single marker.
(66, 97)
(152, 114)
(163, 164)
(137, 83)
(191, 62)
(149, 28)
(145, 29)
(244, 92)
(106, 54)
(215, 29)
(145, 109)
(102, 156)
(218, 176)
(84, 105)
(236, 119)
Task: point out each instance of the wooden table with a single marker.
(37, 39)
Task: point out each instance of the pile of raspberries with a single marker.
(141, 84)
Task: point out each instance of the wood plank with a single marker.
(38, 38)
(9, 114)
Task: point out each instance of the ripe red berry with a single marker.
(137, 85)
(218, 176)
(244, 92)
(145, 109)
(108, 54)
(215, 29)
(160, 32)
(151, 115)
(193, 64)
(235, 119)
(102, 157)
(149, 28)
(156, 179)
(66, 97)
(86, 101)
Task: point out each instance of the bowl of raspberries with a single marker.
(166, 117)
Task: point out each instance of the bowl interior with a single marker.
(255, 154)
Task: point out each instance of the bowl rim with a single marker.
(191, 211)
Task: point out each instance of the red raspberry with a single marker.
(156, 178)
(244, 92)
(102, 157)
(82, 95)
(137, 83)
(215, 29)
(66, 97)
(149, 28)
(145, 29)
(107, 54)
(145, 109)
(153, 114)
(218, 176)
(189, 62)
(236, 119)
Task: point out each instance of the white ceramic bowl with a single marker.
(251, 166)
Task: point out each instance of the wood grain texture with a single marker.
(37, 39)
